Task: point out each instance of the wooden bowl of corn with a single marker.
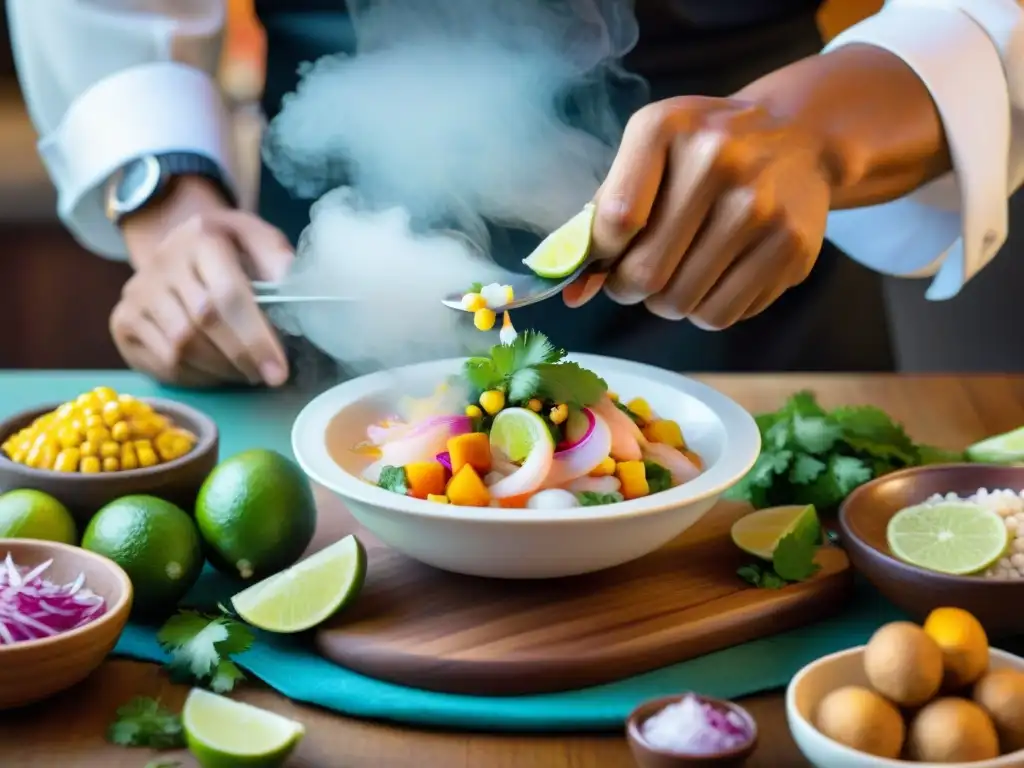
(104, 445)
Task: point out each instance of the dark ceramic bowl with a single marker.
(647, 756)
(863, 518)
(177, 481)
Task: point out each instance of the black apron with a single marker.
(833, 321)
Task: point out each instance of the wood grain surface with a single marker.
(424, 628)
(68, 730)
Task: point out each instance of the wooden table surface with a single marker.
(68, 730)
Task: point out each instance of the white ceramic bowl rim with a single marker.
(1009, 760)
(740, 450)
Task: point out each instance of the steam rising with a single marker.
(452, 114)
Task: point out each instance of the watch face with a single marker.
(139, 180)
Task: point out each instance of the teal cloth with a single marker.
(263, 419)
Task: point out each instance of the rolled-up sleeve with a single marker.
(107, 81)
(970, 56)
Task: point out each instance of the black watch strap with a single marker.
(145, 179)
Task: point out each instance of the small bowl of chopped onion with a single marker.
(62, 610)
(690, 731)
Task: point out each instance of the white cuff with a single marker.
(954, 226)
(154, 108)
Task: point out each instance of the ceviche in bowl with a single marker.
(526, 462)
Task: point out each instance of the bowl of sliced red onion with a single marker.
(688, 731)
(61, 611)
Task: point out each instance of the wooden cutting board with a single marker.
(425, 628)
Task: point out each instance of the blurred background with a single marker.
(55, 297)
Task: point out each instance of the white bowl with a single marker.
(526, 543)
(821, 677)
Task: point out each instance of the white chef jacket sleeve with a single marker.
(107, 81)
(970, 56)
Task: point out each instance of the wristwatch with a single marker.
(145, 179)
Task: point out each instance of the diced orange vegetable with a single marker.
(473, 449)
(641, 408)
(633, 478)
(696, 460)
(426, 478)
(664, 431)
(605, 468)
(466, 489)
(515, 502)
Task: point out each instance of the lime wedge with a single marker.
(953, 537)
(1007, 448)
(222, 733)
(308, 593)
(759, 532)
(515, 431)
(561, 252)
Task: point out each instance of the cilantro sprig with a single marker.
(813, 456)
(793, 559)
(393, 479)
(531, 366)
(143, 722)
(595, 499)
(199, 647)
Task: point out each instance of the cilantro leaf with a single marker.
(815, 434)
(569, 383)
(793, 559)
(805, 469)
(658, 478)
(481, 373)
(593, 499)
(393, 479)
(198, 646)
(803, 403)
(142, 722)
(475, 287)
(523, 385)
(226, 676)
(759, 576)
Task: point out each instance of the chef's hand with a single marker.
(188, 315)
(711, 210)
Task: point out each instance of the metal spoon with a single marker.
(269, 293)
(526, 288)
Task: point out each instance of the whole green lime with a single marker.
(30, 514)
(256, 513)
(155, 542)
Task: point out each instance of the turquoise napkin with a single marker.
(263, 419)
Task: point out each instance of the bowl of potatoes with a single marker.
(930, 696)
(104, 445)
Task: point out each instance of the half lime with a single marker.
(759, 532)
(560, 253)
(309, 592)
(955, 537)
(222, 733)
(1007, 448)
(515, 431)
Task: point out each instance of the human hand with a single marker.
(711, 210)
(188, 315)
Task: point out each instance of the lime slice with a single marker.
(222, 733)
(759, 532)
(308, 593)
(561, 252)
(1001, 449)
(515, 431)
(953, 537)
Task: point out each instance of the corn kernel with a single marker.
(147, 457)
(492, 401)
(87, 400)
(88, 448)
(509, 294)
(641, 408)
(89, 465)
(111, 464)
(112, 413)
(105, 394)
(471, 302)
(97, 435)
(78, 425)
(484, 319)
(69, 438)
(66, 411)
(109, 448)
(535, 405)
(559, 413)
(33, 456)
(605, 468)
(121, 431)
(93, 421)
(143, 445)
(67, 460)
(148, 426)
(128, 458)
(437, 498)
(19, 456)
(474, 412)
(164, 444)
